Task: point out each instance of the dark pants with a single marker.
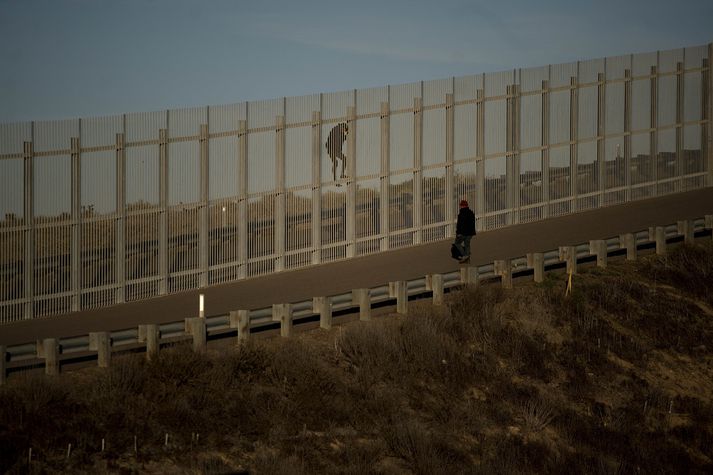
(463, 244)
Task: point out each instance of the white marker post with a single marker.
(201, 306)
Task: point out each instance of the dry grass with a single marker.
(615, 378)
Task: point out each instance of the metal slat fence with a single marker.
(105, 210)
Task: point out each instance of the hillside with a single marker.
(615, 378)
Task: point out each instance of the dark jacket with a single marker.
(466, 222)
(336, 138)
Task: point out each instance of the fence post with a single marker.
(709, 223)
(121, 215)
(574, 137)
(628, 241)
(195, 326)
(316, 187)
(351, 180)
(658, 234)
(101, 343)
(545, 141)
(150, 335)
(598, 248)
(163, 204)
(280, 199)
(685, 228)
(434, 283)
(240, 319)
(3, 364)
(569, 255)
(536, 261)
(48, 349)
(28, 213)
(76, 199)
(503, 268)
(203, 212)
(627, 131)
(469, 275)
(450, 178)
(399, 289)
(323, 306)
(417, 165)
(362, 297)
(282, 312)
(384, 177)
(242, 187)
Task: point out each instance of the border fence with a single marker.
(101, 211)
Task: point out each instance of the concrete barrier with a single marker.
(685, 229)
(323, 307)
(658, 235)
(434, 283)
(536, 262)
(628, 241)
(503, 268)
(195, 326)
(3, 364)
(398, 289)
(709, 223)
(240, 319)
(101, 343)
(282, 312)
(48, 349)
(598, 248)
(150, 335)
(362, 297)
(568, 254)
(469, 275)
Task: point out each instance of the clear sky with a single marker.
(81, 58)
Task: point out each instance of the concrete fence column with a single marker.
(323, 306)
(398, 289)
(685, 228)
(536, 261)
(503, 268)
(240, 319)
(282, 312)
(434, 283)
(3, 364)
(709, 223)
(362, 297)
(628, 242)
(48, 349)
(469, 275)
(658, 234)
(101, 343)
(598, 248)
(195, 326)
(568, 254)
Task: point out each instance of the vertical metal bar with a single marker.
(545, 142)
(316, 186)
(679, 125)
(280, 196)
(417, 165)
(203, 218)
(627, 131)
(654, 125)
(163, 205)
(450, 181)
(384, 176)
(480, 157)
(121, 214)
(573, 138)
(351, 180)
(75, 249)
(708, 111)
(29, 213)
(601, 132)
(242, 199)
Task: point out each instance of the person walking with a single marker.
(465, 230)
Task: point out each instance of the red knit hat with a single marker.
(463, 204)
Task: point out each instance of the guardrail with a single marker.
(100, 346)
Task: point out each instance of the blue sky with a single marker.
(81, 58)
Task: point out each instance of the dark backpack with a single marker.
(455, 253)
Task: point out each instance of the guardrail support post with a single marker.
(658, 234)
(536, 261)
(598, 248)
(434, 283)
(628, 241)
(195, 326)
(323, 306)
(101, 343)
(709, 223)
(569, 255)
(469, 275)
(3, 364)
(48, 349)
(240, 319)
(362, 297)
(282, 312)
(150, 335)
(503, 268)
(685, 228)
(398, 289)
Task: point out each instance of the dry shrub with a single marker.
(537, 413)
(686, 267)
